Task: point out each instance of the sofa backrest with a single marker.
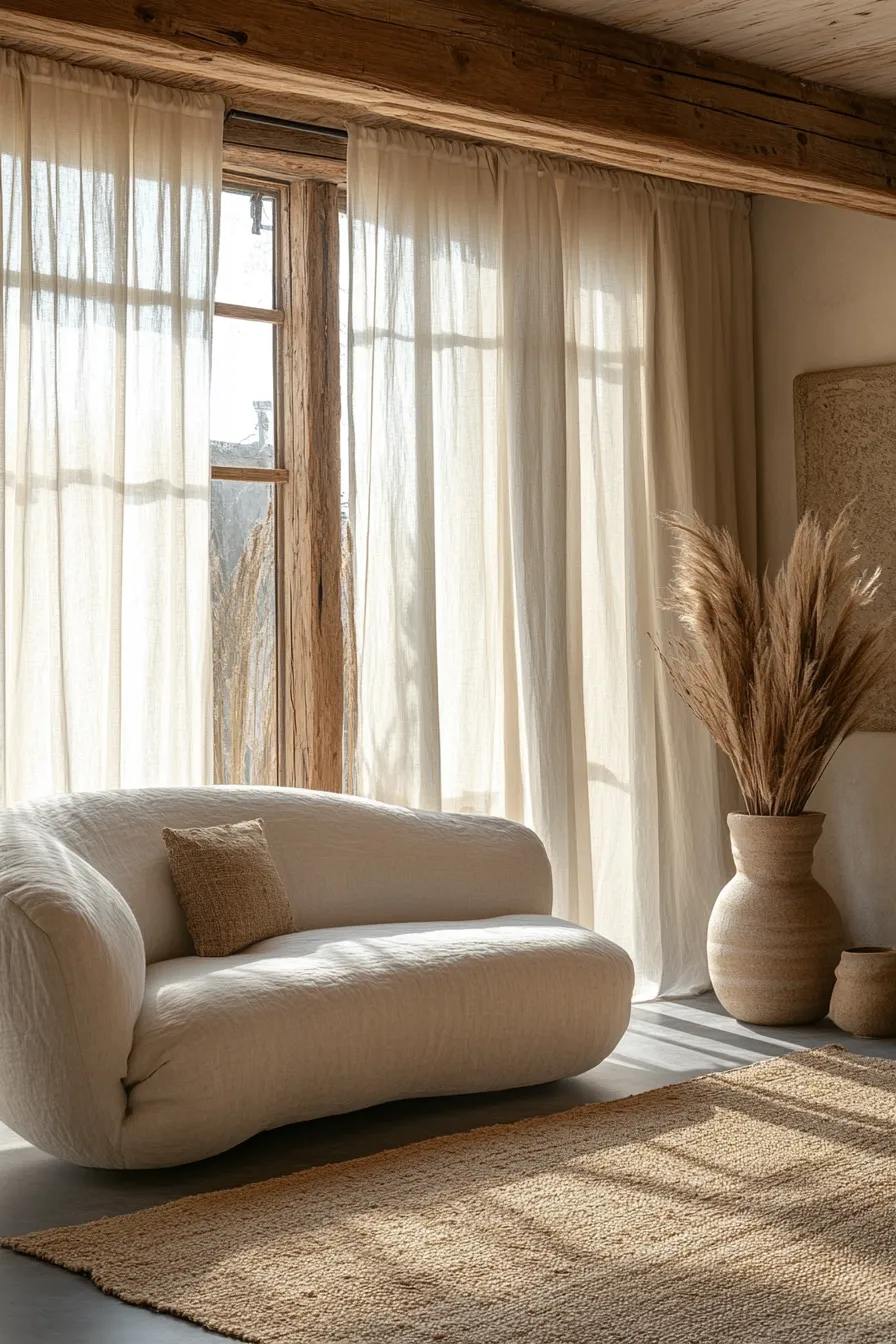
(343, 860)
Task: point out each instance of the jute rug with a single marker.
(752, 1206)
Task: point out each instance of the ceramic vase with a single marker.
(775, 935)
(864, 998)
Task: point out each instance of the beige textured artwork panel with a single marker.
(845, 428)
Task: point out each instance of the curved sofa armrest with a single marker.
(72, 973)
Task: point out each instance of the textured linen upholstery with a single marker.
(312, 1024)
(439, 970)
(342, 860)
(72, 972)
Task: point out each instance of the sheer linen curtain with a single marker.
(109, 193)
(542, 357)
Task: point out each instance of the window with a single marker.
(275, 538)
(246, 459)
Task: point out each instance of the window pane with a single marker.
(242, 410)
(244, 629)
(246, 250)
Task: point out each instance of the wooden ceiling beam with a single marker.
(494, 70)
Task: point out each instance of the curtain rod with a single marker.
(333, 131)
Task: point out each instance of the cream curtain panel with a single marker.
(542, 357)
(109, 193)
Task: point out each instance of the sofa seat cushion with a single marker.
(330, 1020)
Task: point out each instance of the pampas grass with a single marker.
(781, 671)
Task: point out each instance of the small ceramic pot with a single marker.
(775, 936)
(864, 998)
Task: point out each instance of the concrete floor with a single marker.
(39, 1304)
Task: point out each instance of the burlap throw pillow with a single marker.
(228, 886)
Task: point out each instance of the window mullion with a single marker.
(240, 310)
(271, 475)
(312, 686)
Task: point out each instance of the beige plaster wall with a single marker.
(825, 290)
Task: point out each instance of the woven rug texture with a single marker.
(749, 1207)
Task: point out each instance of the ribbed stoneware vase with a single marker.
(864, 998)
(775, 935)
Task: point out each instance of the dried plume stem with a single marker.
(780, 671)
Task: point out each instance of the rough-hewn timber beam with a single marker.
(495, 70)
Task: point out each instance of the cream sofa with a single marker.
(427, 963)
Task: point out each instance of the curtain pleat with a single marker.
(543, 357)
(109, 192)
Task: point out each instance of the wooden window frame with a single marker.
(310, 709)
